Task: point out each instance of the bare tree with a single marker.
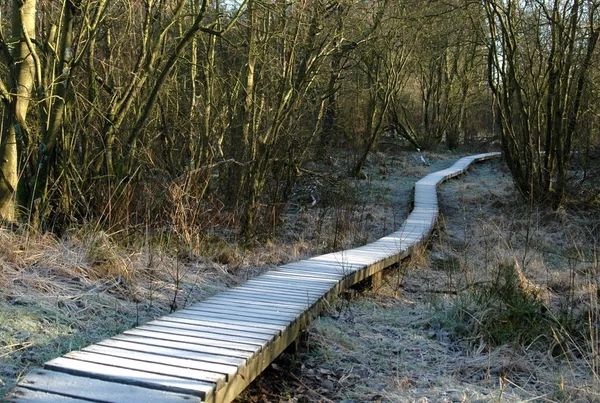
(539, 64)
(384, 67)
(289, 47)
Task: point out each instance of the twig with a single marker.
(451, 292)
(21, 346)
(214, 165)
(311, 390)
(319, 175)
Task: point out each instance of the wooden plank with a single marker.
(41, 385)
(380, 250)
(314, 277)
(283, 288)
(234, 296)
(325, 264)
(144, 356)
(148, 366)
(132, 377)
(255, 317)
(239, 318)
(199, 333)
(228, 319)
(324, 269)
(312, 271)
(240, 295)
(221, 325)
(302, 276)
(202, 326)
(299, 294)
(307, 272)
(296, 299)
(23, 395)
(229, 348)
(217, 301)
(174, 344)
(224, 364)
(233, 300)
(247, 311)
(314, 283)
(312, 286)
(273, 296)
(274, 310)
(360, 258)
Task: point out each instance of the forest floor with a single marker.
(429, 334)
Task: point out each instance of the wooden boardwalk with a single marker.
(211, 351)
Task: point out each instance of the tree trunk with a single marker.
(14, 122)
(8, 166)
(54, 106)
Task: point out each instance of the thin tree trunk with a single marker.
(14, 122)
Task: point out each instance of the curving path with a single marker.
(211, 351)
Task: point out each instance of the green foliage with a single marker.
(509, 311)
(504, 311)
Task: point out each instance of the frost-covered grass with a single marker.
(502, 307)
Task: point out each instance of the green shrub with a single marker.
(505, 310)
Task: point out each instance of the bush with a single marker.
(506, 310)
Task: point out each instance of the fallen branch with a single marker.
(311, 390)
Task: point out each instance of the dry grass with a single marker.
(57, 295)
